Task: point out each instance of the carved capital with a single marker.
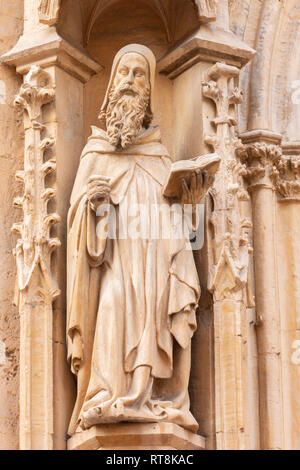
(220, 88)
(261, 154)
(288, 178)
(35, 92)
(267, 166)
(49, 11)
(261, 164)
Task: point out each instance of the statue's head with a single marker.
(127, 107)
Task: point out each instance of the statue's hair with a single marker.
(148, 118)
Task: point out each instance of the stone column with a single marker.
(288, 255)
(229, 251)
(223, 366)
(274, 187)
(263, 154)
(36, 287)
(52, 95)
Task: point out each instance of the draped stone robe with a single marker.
(132, 301)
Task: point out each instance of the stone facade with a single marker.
(227, 81)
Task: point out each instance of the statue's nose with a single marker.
(130, 78)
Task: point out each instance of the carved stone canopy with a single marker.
(206, 9)
(49, 11)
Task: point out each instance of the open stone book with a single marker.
(185, 169)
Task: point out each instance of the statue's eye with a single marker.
(123, 72)
(139, 73)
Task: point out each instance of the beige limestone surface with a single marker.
(75, 42)
(11, 156)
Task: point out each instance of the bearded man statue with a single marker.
(131, 299)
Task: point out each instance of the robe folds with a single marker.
(131, 301)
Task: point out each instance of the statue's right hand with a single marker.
(98, 191)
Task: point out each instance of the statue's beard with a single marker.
(127, 112)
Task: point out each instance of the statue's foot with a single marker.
(98, 399)
(140, 389)
(118, 408)
(128, 401)
(91, 417)
(158, 408)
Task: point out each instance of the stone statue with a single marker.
(131, 300)
(207, 10)
(49, 11)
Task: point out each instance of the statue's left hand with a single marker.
(194, 192)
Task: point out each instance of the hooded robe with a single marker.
(131, 301)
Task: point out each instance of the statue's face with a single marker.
(133, 70)
(128, 104)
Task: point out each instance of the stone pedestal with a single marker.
(154, 436)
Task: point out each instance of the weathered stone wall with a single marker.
(271, 86)
(11, 159)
